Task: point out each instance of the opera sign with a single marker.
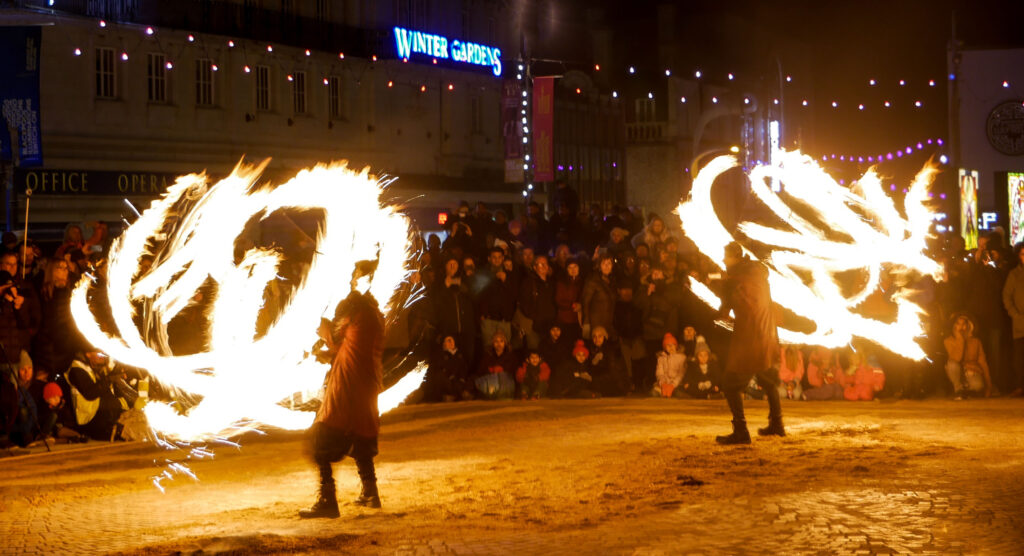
(409, 42)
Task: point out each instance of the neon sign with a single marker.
(410, 42)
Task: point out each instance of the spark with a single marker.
(805, 257)
(194, 236)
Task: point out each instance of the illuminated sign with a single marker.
(969, 207)
(987, 220)
(409, 42)
(442, 218)
(1015, 188)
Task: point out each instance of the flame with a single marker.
(242, 376)
(879, 239)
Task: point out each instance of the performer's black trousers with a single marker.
(733, 385)
(331, 445)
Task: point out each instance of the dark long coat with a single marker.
(755, 338)
(354, 381)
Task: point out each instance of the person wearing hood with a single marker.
(966, 365)
(655, 233)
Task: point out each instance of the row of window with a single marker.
(157, 68)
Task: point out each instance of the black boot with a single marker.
(326, 504)
(740, 434)
(368, 496)
(774, 428)
(774, 414)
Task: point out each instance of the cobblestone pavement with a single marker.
(627, 476)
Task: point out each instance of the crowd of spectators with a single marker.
(53, 383)
(592, 305)
(575, 305)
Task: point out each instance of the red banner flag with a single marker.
(543, 128)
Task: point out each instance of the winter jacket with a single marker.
(670, 368)
(497, 299)
(537, 301)
(696, 377)
(354, 381)
(493, 363)
(863, 383)
(543, 371)
(1013, 299)
(788, 374)
(599, 303)
(755, 339)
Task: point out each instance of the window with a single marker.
(335, 98)
(106, 73)
(204, 82)
(475, 116)
(644, 109)
(156, 78)
(299, 92)
(263, 88)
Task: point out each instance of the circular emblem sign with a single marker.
(1005, 127)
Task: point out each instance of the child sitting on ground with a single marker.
(702, 375)
(791, 373)
(862, 380)
(532, 377)
(573, 379)
(670, 369)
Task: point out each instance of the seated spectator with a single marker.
(823, 372)
(862, 380)
(606, 365)
(533, 376)
(692, 342)
(573, 379)
(55, 416)
(99, 394)
(494, 379)
(556, 347)
(966, 365)
(670, 368)
(791, 373)
(703, 373)
(18, 405)
(448, 375)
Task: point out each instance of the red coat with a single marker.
(544, 372)
(755, 339)
(354, 381)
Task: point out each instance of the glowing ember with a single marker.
(192, 233)
(804, 260)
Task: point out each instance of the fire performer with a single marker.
(348, 422)
(755, 343)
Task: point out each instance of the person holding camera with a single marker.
(99, 393)
(14, 320)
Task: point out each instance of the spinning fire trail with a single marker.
(191, 233)
(805, 259)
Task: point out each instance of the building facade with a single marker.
(132, 94)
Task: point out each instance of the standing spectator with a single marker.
(653, 234)
(986, 276)
(58, 339)
(536, 308)
(568, 300)
(691, 342)
(483, 225)
(670, 370)
(565, 195)
(497, 298)
(453, 313)
(535, 228)
(533, 376)
(598, 298)
(1013, 301)
(561, 260)
(565, 228)
(660, 317)
(618, 243)
(14, 320)
(73, 240)
(629, 325)
(966, 365)
(791, 373)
